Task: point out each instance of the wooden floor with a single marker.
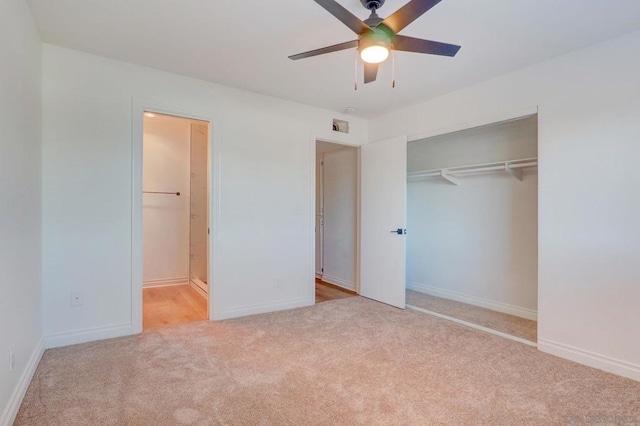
(326, 291)
(176, 304)
(179, 304)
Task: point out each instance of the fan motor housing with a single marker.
(372, 4)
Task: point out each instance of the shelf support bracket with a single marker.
(516, 173)
(448, 178)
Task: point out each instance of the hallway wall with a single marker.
(340, 217)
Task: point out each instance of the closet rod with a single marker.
(492, 168)
(161, 192)
(513, 167)
(487, 167)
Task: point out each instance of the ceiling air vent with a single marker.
(340, 126)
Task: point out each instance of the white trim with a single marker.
(87, 335)
(319, 225)
(338, 282)
(505, 308)
(13, 405)
(474, 326)
(200, 284)
(139, 106)
(197, 288)
(311, 292)
(591, 359)
(165, 282)
(262, 308)
(485, 121)
(358, 217)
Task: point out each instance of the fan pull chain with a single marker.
(355, 74)
(393, 67)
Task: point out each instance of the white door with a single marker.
(383, 221)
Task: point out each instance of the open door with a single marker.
(383, 220)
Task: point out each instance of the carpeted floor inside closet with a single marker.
(505, 323)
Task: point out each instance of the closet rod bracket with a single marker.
(516, 173)
(444, 175)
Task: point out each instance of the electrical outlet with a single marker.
(76, 298)
(12, 358)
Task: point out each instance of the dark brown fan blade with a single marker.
(370, 72)
(346, 17)
(407, 14)
(410, 44)
(328, 49)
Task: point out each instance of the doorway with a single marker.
(336, 221)
(175, 219)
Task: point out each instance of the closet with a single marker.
(472, 226)
(175, 219)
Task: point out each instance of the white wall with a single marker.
(589, 203)
(20, 206)
(265, 253)
(199, 202)
(340, 191)
(498, 142)
(166, 153)
(476, 242)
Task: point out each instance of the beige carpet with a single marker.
(343, 362)
(510, 324)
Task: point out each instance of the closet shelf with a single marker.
(514, 168)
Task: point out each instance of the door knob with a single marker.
(399, 231)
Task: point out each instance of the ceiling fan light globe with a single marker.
(374, 54)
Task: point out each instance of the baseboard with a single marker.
(339, 282)
(591, 359)
(165, 282)
(11, 410)
(197, 288)
(87, 335)
(476, 301)
(263, 308)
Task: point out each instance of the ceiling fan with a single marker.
(377, 36)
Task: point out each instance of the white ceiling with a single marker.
(246, 43)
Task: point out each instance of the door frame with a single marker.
(139, 107)
(504, 117)
(320, 233)
(484, 121)
(312, 220)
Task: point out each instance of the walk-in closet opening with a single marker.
(472, 220)
(175, 220)
(336, 221)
